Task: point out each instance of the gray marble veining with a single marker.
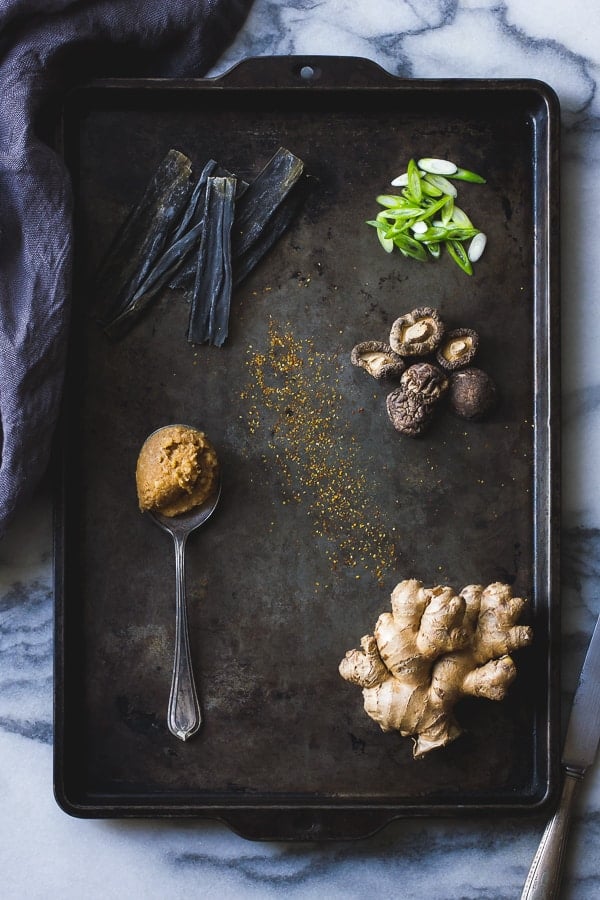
(45, 853)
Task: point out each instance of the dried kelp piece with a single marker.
(142, 238)
(263, 197)
(275, 227)
(209, 313)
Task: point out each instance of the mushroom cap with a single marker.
(417, 333)
(472, 393)
(410, 407)
(457, 349)
(425, 379)
(378, 359)
(407, 413)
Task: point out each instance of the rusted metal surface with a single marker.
(324, 506)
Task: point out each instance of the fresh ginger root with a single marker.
(435, 647)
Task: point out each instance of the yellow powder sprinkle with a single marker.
(292, 390)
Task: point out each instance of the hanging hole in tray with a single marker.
(309, 73)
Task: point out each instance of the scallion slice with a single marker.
(437, 166)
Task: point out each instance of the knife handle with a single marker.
(543, 881)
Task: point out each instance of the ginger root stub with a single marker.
(176, 470)
(435, 647)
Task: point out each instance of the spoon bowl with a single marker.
(184, 523)
(184, 716)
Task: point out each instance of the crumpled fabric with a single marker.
(46, 46)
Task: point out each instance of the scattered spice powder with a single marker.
(293, 392)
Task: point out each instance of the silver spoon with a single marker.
(184, 717)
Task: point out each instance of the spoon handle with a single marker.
(184, 717)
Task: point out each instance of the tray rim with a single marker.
(354, 811)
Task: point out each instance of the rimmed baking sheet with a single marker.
(324, 506)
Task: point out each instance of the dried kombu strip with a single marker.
(263, 197)
(209, 312)
(277, 225)
(143, 236)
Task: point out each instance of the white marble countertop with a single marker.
(47, 854)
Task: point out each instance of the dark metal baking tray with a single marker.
(314, 529)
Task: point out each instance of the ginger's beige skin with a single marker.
(176, 470)
(435, 647)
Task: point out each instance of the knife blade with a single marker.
(583, 732)
(579, 752)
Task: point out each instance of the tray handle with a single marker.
(307, 72)
(295, 824)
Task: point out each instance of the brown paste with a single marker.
(176, 470)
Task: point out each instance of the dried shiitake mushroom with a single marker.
(378, 359)
(406, 413)
(417, 333)
(410, 407)
(472, 393)
(426, 380)
(458, 349)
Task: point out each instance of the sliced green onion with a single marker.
(459, 255)
(410, 247)
(447, 211)
(477, 246)
(433, 234)
(429, 189)
(390, 200)
(465, 175)
(460, 218)
(414, 180)
(406, 212)
(375, 223)
(461, 234)
(442, 184)
(386, 243)
(437, 166)
(400, 181)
